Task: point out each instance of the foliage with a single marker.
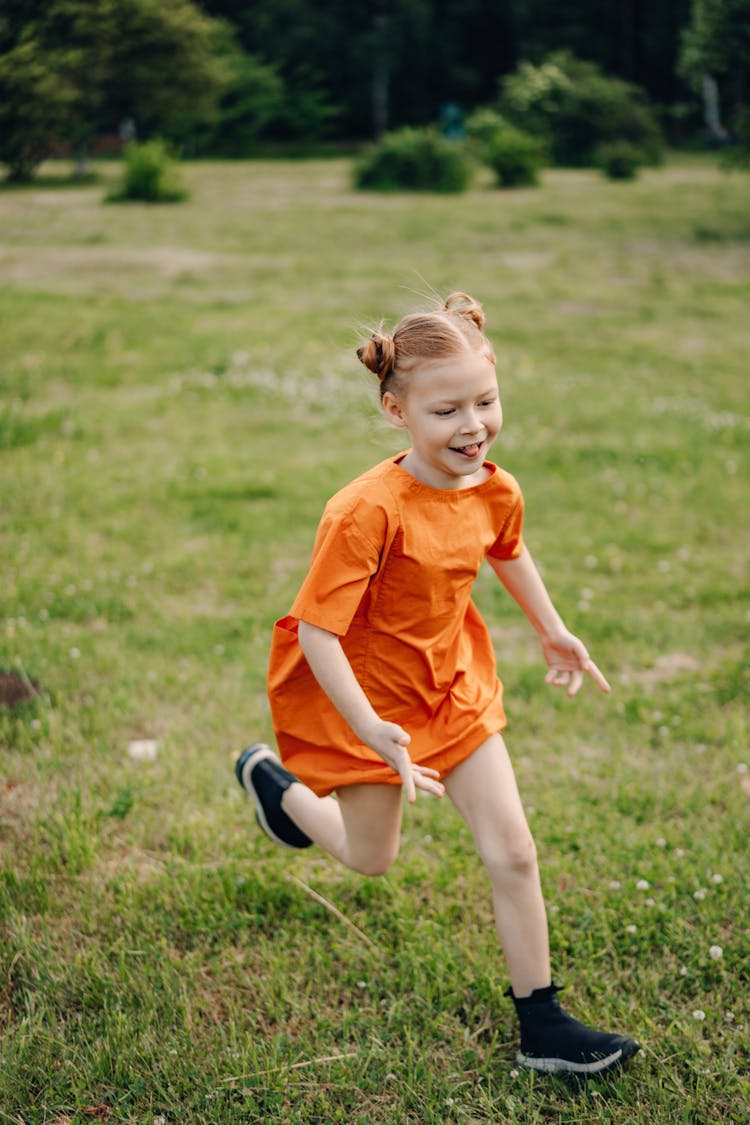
(574, 108)
(71, 68)
(150, 175)
(619, 160)
(717, 39)
(34, 103)
(515, 157)
(482, 125)
(251, 98)
(427, 53)
(717, 43)
(414, 160)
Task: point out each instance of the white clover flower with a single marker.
(699, 895)
(684, 971)
(715, 952)
(717, 878)
(643, 884)
(698, 1014)
(514, 1073)
(631, 929)
(742, 767)
(661, 842)
(679, 853)
(615, 885)
(650, 902)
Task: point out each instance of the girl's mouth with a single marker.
(469, 451)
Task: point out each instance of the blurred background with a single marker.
(227, 78)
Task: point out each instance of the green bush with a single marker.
(515, 157)
(414, 160)
(575, 108)
(619, 160)
(482, 126)
(150, 174)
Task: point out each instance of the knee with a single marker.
(375, 863)
(511, 858)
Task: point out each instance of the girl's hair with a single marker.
(422, 336)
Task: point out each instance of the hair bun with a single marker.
(378, 354)
(461, 304)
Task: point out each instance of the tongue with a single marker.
(470, 450)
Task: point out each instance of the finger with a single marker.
(407, 779)
(597, 676)
(426, 771)
(409, 788)
(427, 785)
(575, 683)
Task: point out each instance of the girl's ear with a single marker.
(393, 410)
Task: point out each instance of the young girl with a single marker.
(383, 676)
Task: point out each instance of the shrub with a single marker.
(619, 160)
(515, 157)
(414, 160)
(575, 107)
(150, 174)
(482, 126)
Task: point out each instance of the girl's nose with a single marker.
(470, 423)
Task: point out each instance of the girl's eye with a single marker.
(444, 413)
(488, 402)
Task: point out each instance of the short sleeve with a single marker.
(509, 543)
(347, 552)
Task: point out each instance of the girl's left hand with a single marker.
(568, 660)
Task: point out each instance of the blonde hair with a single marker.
(456, 327)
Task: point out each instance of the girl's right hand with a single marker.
(390, 741)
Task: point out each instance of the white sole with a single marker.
(559, 1066)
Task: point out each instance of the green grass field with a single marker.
(180, 395)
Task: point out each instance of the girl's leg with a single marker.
(361, 828)
(483, 789)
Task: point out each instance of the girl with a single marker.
(383, 674)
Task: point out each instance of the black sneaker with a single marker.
(554, 1042)
(261, 774)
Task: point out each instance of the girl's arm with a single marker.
(331, 668)
(565, 654)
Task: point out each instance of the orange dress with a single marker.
(392, 571)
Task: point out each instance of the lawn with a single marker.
(179, 396)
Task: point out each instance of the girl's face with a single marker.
(451, 408)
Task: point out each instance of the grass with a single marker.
(179, 398)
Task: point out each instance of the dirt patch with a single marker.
(669, 666)
(49, 263)
(14, 689)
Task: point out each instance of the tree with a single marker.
(71, 68)
(251, 99)
(716, 43)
